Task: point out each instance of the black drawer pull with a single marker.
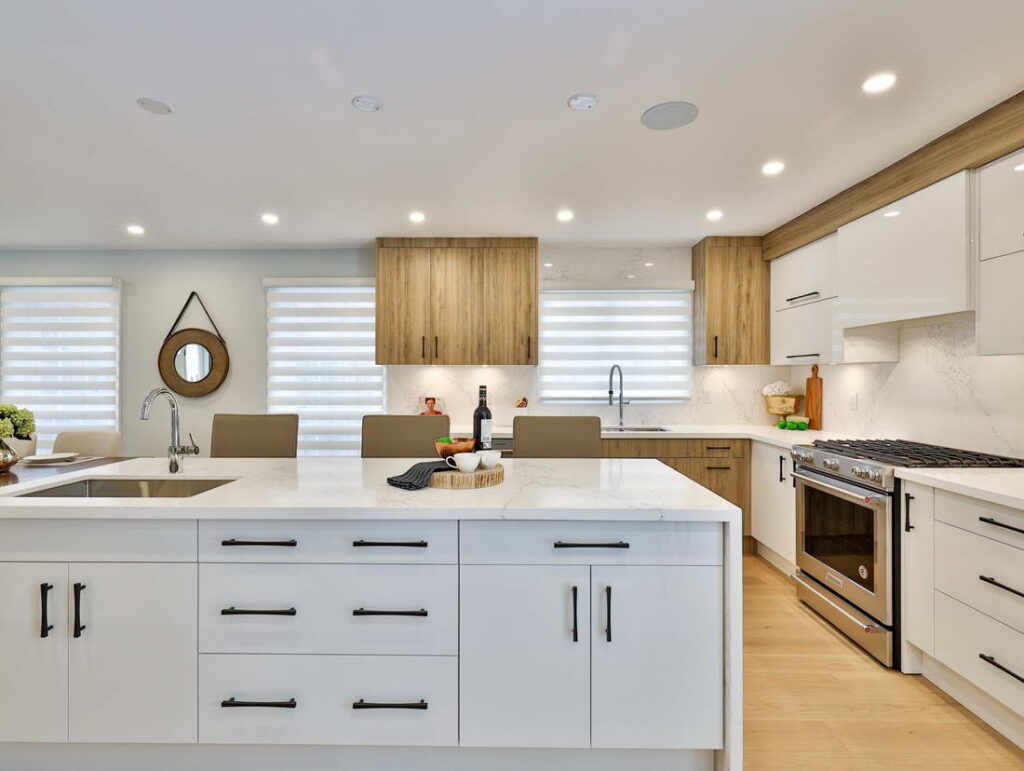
(907, 498)
(991, 660)
(363, 704)
(802, 296)
(44, 625)
(233, 611)
(991, 580)
(575, 619)
(610, 545)
(718, 468)
(990, 521)
(232, 702)
(236, 542)
(408, 544)
(802, 355)
(422, 613)
(718, 448)
(79, 626)
(608, 610)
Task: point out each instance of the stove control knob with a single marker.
(860, 472)
(831, 464)
(875, 475)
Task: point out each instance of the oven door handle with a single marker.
(861, 499)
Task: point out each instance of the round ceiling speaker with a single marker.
(669, 115)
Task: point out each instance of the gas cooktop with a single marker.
(915, 454)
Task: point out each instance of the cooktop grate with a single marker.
(915, 454)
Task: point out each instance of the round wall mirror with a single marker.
(193, 362)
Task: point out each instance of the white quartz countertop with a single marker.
(354, 488)
(1004, 486)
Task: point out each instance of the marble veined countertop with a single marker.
(355, 488)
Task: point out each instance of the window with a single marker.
(320, 360)
(59, 352)
(583, 333)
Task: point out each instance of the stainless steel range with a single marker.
(848, 516)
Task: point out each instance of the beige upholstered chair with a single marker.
(104, 444)
(556, 437)
(402, 436)
(254, 436)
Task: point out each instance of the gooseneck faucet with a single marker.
(611, 393)
(176, 448)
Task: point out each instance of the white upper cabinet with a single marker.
(803, 335)
(806, 275)
(1001, 206)
(1000, 310)
(908, 260)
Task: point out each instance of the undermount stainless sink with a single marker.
(99, 487)
(631, 429)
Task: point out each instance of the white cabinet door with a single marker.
(657, 658)
(806, 274)
(772, 500)
(803, 335)
(1000, 310)
(33, 657)
(1001, 196)
(918, 566)
(908, 260)
(133, 666)
(524, 656)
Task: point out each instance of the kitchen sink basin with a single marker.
(100, 487)
(631, 429)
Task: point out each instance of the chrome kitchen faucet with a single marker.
(176, 448)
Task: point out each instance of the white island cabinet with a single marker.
(584, 614)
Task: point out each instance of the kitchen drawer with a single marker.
(97, 540)
(989, 519)
(803, 335)
(325, 688)
(324, 599)
(962, 559)
(568, 543)
(963, 635)
(675, 448)
(341, 542)
(806, 274)
(726, 477)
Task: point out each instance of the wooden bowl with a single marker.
(444, 449)
(783, 405)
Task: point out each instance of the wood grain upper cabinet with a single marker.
(731, 301)
(457, 301)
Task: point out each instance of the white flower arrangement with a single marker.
(778, 388)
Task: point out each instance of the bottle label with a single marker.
(485, 434)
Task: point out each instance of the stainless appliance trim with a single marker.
(875, 639)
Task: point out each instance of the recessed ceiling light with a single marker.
(876, 84)
(648, 264)
(549, 264)
(565, 215)
(154, 106)
(270, 218)
(582, 101)
(1019, 167)
(772, 168)
(714, 215)
(669, 115)
(367, 103)
(891, 214)
(135, 230)
(630, 276)
(417, 217)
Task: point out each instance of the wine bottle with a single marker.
(482, 423)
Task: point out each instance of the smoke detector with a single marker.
(367, 103)
(582, 101)
(154, 106)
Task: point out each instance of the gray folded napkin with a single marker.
(417, 477)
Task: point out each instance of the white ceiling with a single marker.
(475, 130)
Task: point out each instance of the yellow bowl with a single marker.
(444, 449)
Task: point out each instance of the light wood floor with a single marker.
(813, 700)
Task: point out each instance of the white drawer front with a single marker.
(988, 519)
(325, 688)
(591, 543)
(806, 274)
(97, 540)
(985, 574)
(339, 542)
(803, 335)
(963, 635)
(334, 609)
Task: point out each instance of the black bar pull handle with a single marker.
(907, 498)
(997, 523)
(44, 624)
(363, 704)
(718, 468)
(992, 660)
(421, 613)
(575, 618)
(608, 611)
(802, 296)
(402, 544)
(782, 468)
(237, 542)
(529, 346)
(79, 626)
(576, 545)
(716, 346)
(992, 580)
(423, 347)
(233, 611)
(717, 447)
(233, 702)
(802, 355)
(435, 347)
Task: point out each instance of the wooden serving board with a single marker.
(473, 480)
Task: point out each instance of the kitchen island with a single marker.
(584, 614)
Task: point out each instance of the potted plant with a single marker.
(18, 430)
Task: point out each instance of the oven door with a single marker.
(843, 540)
